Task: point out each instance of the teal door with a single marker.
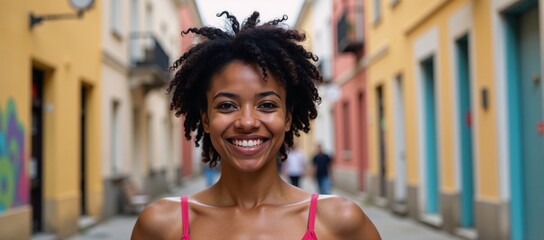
(530, 86)
(525, 119)
(465, 132)
(432, 193)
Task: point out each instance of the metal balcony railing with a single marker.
(349, 29)
(149, 61)
(147, 51)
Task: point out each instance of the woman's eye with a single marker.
(268, 106)
(225, 106)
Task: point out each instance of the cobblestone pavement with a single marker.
(389, 225)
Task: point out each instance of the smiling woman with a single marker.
(254, 88)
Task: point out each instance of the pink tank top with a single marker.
(309, 235)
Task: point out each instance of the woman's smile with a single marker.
(248, 147)
(251, 143)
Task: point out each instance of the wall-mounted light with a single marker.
(79, 5)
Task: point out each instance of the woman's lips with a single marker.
(248, 146)
(247, 143)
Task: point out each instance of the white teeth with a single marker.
(247, 143)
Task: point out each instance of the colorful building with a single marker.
(340, 127)
(82, 108)
(141, 137)
(189, 17)
(50, 166)
(350, 109)
(313, 20)
(456, 109)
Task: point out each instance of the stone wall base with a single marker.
(16, 223)
(346, 179)
(451, 212)
(413, 202)
(492, 220)
(61, 215)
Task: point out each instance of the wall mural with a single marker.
(14, 183)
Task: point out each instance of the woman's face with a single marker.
(246, 117)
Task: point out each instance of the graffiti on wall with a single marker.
(14, 183)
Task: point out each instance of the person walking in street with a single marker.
(247, 92)
(322, 167)
(295, 165)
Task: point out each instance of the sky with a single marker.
(269, 10)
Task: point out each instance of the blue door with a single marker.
(525, 116)
(465, 132)
(530, 86)
(432, 193)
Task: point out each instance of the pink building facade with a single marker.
(350, 110)
(189, 17)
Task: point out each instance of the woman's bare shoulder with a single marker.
(159, 220)
(345, 219)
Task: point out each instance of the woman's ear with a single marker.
(205, 121)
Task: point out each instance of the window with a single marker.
(149, 18)
(115, 17)
(165, 143)
(346, 131)
(150, 145)
(377, 11)
(115, 138)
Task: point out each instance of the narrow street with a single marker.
(389, 225)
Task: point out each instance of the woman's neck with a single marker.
(250, 190)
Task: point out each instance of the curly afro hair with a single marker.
(271, 46)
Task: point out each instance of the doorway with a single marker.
(83, 146)
(525, 111)
(431, 145)
(363, 153)
(36, 154)
(381, 141)
(465, 119)
(400, 145)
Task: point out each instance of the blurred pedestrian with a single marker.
(322, 168)
(295, 165)
(247, 92)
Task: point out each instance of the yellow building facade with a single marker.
(313, 20)
(306, 141)
(50, 117)
(445, 113)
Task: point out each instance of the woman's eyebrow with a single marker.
(225, 94)
(267, 93)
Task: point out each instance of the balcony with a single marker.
(349, 29)
(148, 62)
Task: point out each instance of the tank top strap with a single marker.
(313, 211)
(185, 217)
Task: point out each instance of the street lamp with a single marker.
(79, 5)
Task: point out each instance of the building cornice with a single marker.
(113, 62)
(412, 26)
(362, 64)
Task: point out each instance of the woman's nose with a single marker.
(247, 120)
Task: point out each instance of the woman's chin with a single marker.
(249, 165)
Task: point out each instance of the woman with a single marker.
(247, 93)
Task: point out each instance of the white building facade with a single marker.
(141, 137)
